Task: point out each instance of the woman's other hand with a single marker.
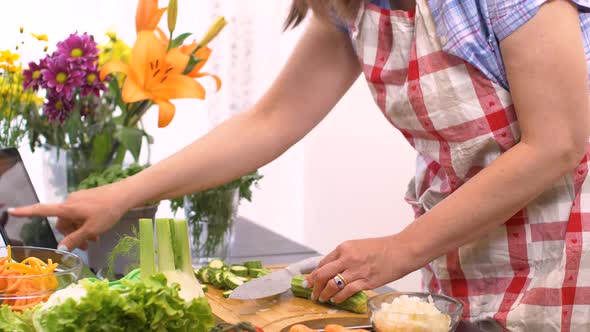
(363, 264)
(83, 216)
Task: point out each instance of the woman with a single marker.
(493, 94)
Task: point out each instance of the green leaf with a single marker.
(131, 139)
(16, 321)
(192, 63)
(179, 40)
(110, 175)
(128, 247)
(176, 204)
(101, 147)
(149, 305)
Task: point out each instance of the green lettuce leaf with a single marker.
(149, 305)
(16, 321)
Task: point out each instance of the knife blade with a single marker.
(274, 283)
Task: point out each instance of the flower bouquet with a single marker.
(96, 95)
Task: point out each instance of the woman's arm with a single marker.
(321, 69)
(548, 77)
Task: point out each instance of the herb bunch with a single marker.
(212, 211)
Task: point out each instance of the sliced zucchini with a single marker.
(204, 275)
(216, 264)
(253, 264)
(218, 279)
(227, 293)
(233, 282)
(356, 303)
(257, 273)
(244, 279)
(239, 270)
(225, 275)
(210, 273)
(201, 274)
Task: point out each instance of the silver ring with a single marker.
(340, 281)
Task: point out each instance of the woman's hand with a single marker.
(83, 216)
(363, 264)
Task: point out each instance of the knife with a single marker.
(274, 283)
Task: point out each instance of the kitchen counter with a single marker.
(254, 242)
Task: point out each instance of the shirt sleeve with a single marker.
(507, 16)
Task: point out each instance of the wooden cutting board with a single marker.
(272, 314)
(275, 313)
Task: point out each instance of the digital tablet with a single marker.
(16, 189)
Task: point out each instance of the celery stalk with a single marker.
(175, 245)
(182, 247)
(165, 251)
(147, 259)
(174, 256)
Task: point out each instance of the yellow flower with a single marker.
(32, 98)
(8, 67)
(41, 37)
(8, 57)
(14, 69)
(115, 49)
(112, 35)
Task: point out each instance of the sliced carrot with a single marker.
(335, 328)
(31, 266)
(301, 328)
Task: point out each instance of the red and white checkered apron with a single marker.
(532, 273)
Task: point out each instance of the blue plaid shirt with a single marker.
(472, 29)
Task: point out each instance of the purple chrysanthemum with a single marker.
(32, 76)
(80, 51)
(92, 83)
(57, 108)
(61, 77)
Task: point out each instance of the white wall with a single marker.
(345, 180)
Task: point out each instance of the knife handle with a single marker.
(305, 266)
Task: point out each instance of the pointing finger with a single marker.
(76, 239)
(38, 210)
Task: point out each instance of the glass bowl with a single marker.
(22, 292)
(406, 321)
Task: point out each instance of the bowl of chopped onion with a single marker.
(29, 275)
(414, 312)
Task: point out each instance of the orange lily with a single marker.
(148, 15)
(202, 54)
(155, 74)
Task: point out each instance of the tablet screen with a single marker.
(16, 190)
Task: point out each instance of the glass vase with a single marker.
(54, 174)
(211, 217)
(64, 170)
